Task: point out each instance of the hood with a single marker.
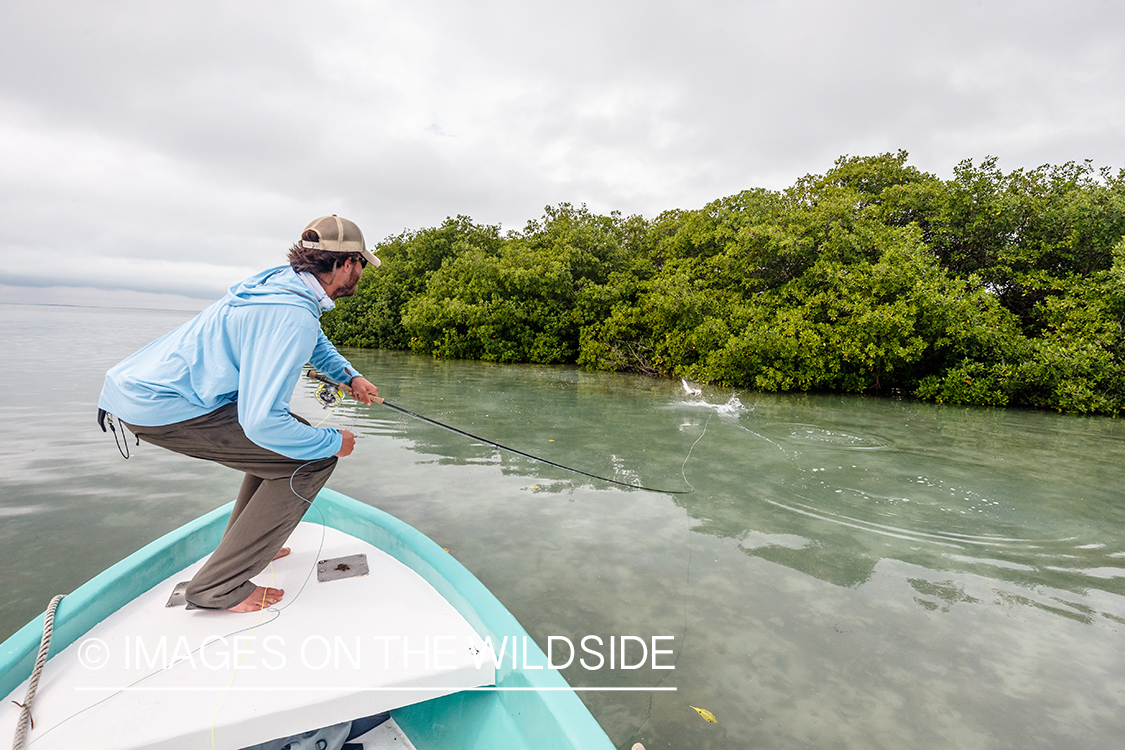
(274, 286)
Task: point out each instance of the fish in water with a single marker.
(692, 389)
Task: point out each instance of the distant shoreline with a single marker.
(99, 307)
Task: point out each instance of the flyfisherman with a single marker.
(218, 388)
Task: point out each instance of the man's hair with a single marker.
(318, 261)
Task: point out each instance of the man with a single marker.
(218, 388)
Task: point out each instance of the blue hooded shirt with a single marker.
(249, 348)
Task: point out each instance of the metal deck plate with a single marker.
(341, 567)
(178, 597)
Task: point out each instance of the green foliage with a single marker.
(526, 298)
(516, 306)
(989, 288)
(1025, 231)
(373, 317)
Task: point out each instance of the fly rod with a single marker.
(330, 399)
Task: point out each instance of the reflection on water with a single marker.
(844, 572)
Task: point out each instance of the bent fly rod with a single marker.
(329, 397)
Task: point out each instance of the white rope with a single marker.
(33, 683)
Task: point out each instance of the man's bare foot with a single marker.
(261, 598)
(282, 553)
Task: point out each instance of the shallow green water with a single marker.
(848, 572)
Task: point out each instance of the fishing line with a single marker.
(328, 399)
(683, 466)
(436, 423)
(276, 609)
(223, 698)
(311, 504)
(273, 610)
(687, 589)
(138, 681)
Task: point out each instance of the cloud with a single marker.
(177, 146)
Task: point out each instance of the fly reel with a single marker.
(328, 395)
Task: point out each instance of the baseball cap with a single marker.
(337, 235)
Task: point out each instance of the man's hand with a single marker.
(348, 444)
(363, 390)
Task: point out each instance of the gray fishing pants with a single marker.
(269, 506)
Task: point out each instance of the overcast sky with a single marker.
(175, 148)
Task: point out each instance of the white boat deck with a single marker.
(150, 676)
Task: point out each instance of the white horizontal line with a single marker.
(369, 689)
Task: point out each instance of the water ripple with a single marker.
(813, 434)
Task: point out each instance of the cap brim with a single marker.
(370, 258)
